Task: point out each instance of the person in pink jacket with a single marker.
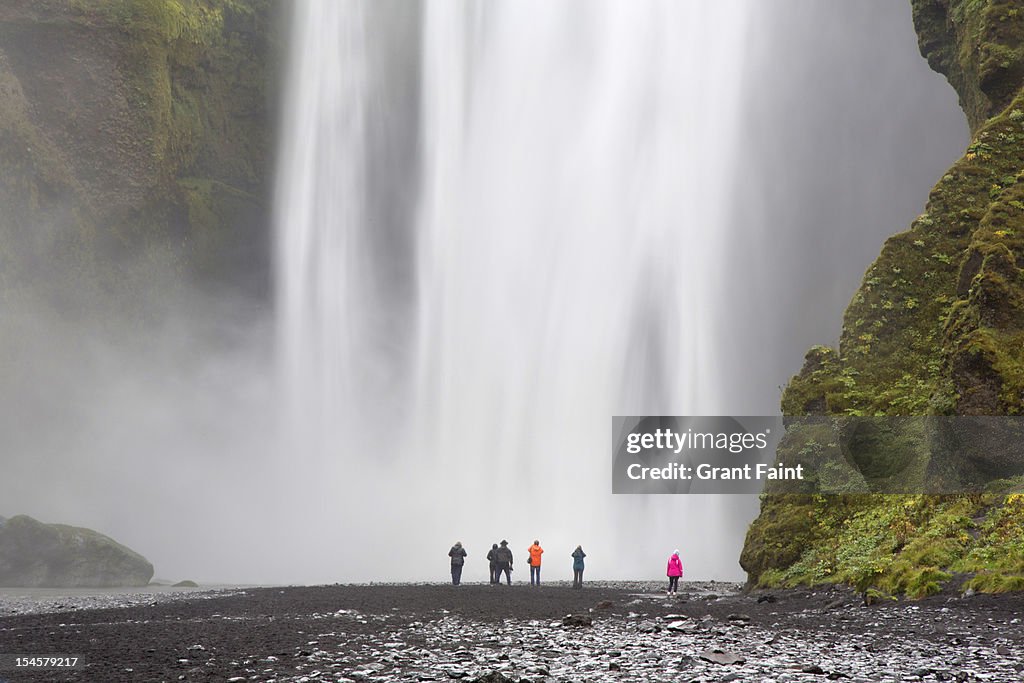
(674, 571)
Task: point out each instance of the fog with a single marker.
(496, 225)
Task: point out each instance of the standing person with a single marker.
(674, 571)
(535, 552)
(458, 555)
(577, 567)
(492, 558)
(503, 556)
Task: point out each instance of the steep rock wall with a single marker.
(936, 328)
(132, 131)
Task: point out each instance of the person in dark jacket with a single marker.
(494, 563)
(458, 555)
(503, 556)
(577, 567)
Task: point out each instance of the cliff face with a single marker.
(936, 328)
(131, 130)
(976, 44)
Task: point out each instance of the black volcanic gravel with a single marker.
(440, 632)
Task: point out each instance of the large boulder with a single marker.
(38, 555)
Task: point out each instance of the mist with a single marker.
(496, 225)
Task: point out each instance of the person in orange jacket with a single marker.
(535, 552)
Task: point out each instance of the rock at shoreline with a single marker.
(186, 584)
(38, 555)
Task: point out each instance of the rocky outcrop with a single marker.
(936, 328)
(976, 44)
(38, 555)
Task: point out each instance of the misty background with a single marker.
(518, 220)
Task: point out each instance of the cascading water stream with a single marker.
(573, 193)
(499, 224)
(571, 181)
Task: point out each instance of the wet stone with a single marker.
(719, 656)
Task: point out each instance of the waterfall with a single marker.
(570, 176)
(574, 172)
(499, 224)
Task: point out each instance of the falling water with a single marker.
(499, 224)
(570, 167)
(573, 179)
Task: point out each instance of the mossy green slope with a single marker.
(131, 130)
(936, 328)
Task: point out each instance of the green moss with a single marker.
(782, 534)
(187, 84)
(906, 544)
(977, 45)
(919, 582)
(936, 328)
(931, 551)
(994, 582)
(191, 70)
(190, 21)
(806, 393)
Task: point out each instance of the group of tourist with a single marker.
(500, 558)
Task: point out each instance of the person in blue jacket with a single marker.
(577, 567)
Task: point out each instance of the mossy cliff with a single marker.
(936, 328)
(131, 132)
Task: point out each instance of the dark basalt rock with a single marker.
(493, 677)
(577, 621)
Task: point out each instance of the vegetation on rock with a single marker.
(936, 328)
(132, 133)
